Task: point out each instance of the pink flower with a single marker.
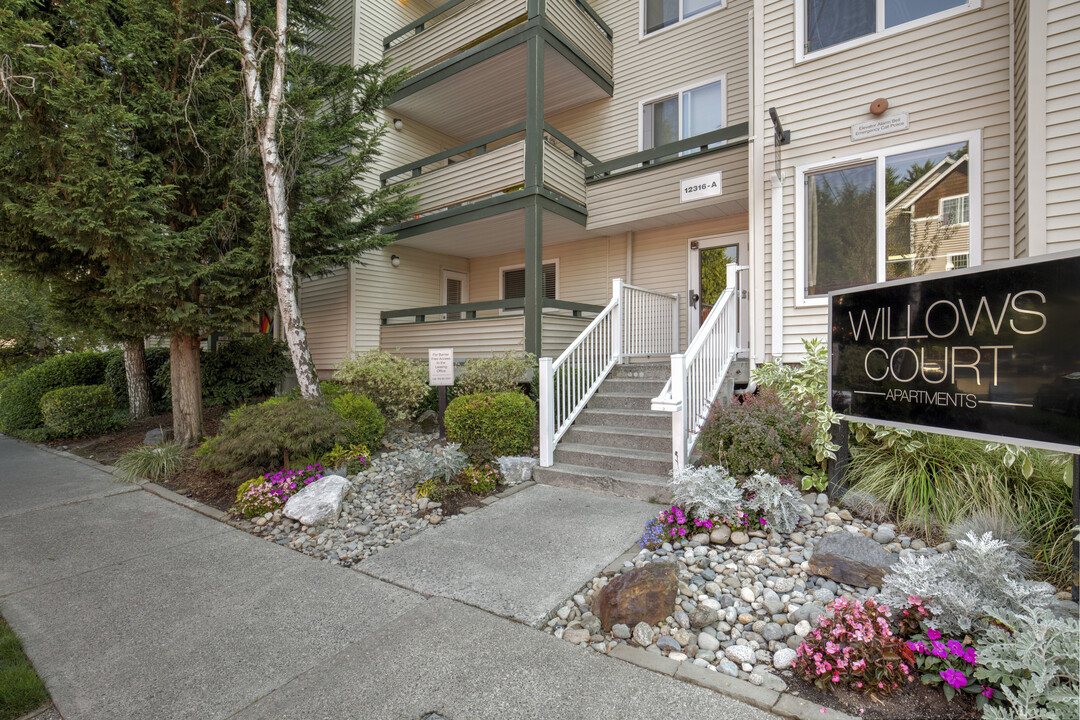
(954, 677)
(956, 647)
(939, 650)
(933, 634)
(987, 692)
(969, 655)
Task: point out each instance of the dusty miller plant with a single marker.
(981, 573)
(779, 503)
(420, 465)
(806, 386)
(1031, 657)
(706, 492)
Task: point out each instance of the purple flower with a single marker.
(987, 692)
(954, 677)
(969, 655)
(933, 634)
(956, 647)
(939, 650)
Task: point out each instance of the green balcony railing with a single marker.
(722, 140)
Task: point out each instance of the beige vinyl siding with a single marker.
(378, 286)
(324, 305)
(478, 177)
(564, 174)
(336, 43)
(1063, 126)
(1020, 124)
(469, 338)
(558, 332)
(821, 98)
(692, 53)
(582, 31)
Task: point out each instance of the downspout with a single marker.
(776, 253)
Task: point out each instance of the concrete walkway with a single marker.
(131, 606)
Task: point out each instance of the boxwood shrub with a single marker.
(20, 405)
(366, 423)
(78, 410)
(491, 425)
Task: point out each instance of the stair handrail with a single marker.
(698, 373)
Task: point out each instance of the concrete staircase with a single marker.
(618, 444)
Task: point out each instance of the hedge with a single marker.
(491, 425)
(78, 410)
(20, 405)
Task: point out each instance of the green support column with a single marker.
(534, 178)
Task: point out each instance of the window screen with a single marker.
(514, 282)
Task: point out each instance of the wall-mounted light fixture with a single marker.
(398, 125)
(395, 260)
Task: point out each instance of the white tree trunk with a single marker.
(264, 116)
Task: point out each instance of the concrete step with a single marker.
(612, 482)
(609, 417)
(621, 401)
(652, 370)
(618, 437)
(633, 386)
(644, 462)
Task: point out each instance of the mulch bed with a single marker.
(915, 702)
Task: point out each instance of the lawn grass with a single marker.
(21, 690)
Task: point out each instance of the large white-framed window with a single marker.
(683, 113)
(826, 26)
(512, 282)
(659, 14)
(857, 219)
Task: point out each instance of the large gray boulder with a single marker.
(517, 469)
(853, 559)
(319, 503)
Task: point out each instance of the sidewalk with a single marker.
(131, 606)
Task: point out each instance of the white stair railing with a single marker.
(637, 322)
(698, 374)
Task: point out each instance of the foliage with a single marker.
(353, 458)
(328, 388)
(481, 479)
(1031, 657)
(758, 434)
(804, 389)
(855, 649)
(116, 378)
(492, 425)
(79, 410)
(268, 492)
(366, 423)
(444, 464)
(777, 502)
(946, 479)
(243, 368)
(20, 405)
(396, 385)
(980, 573)
(153, 462)
(707, 492)
(21, 690)
(256, 437)
(1001, 527)
(499, 373)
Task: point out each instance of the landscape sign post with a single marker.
(991, 354)
(441, 375)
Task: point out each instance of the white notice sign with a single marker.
(883, 126)
(440, 366)
(703, 186)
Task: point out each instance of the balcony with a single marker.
(467, 62)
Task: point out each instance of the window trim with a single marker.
(950, 266)
(878, 155)
(941, 207)
(801, 53)
(642, 35)
(521, 266)
(678, 93)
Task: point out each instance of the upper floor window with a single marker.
(661, 13)
(683, 115)
(831, 22)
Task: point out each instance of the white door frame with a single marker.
(456, 275)
(740, 239)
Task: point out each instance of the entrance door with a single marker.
(708, 279)
(455, 291)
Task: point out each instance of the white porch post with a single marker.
(547, 413)
(617, 320)
(678, 412)
(733, 278)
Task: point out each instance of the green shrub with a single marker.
(329, 389)
(153, 462)
(481, 479)
(492, 425)
(20, 405)
(116, 378)
(353, 458)
(502, 372)
(366, 423)
(396, 385)
(260, 438)
(244, 368)
(758, 434)
(78, 410)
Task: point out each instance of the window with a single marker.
(683, 115)
(832, 22)
(956, 261)
(662, 13)
(892, 214)
(513, 282)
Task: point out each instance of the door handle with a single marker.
(693, 298)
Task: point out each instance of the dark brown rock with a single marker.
(645, 594)
(853, 559)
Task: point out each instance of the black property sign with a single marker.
(992, 354)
